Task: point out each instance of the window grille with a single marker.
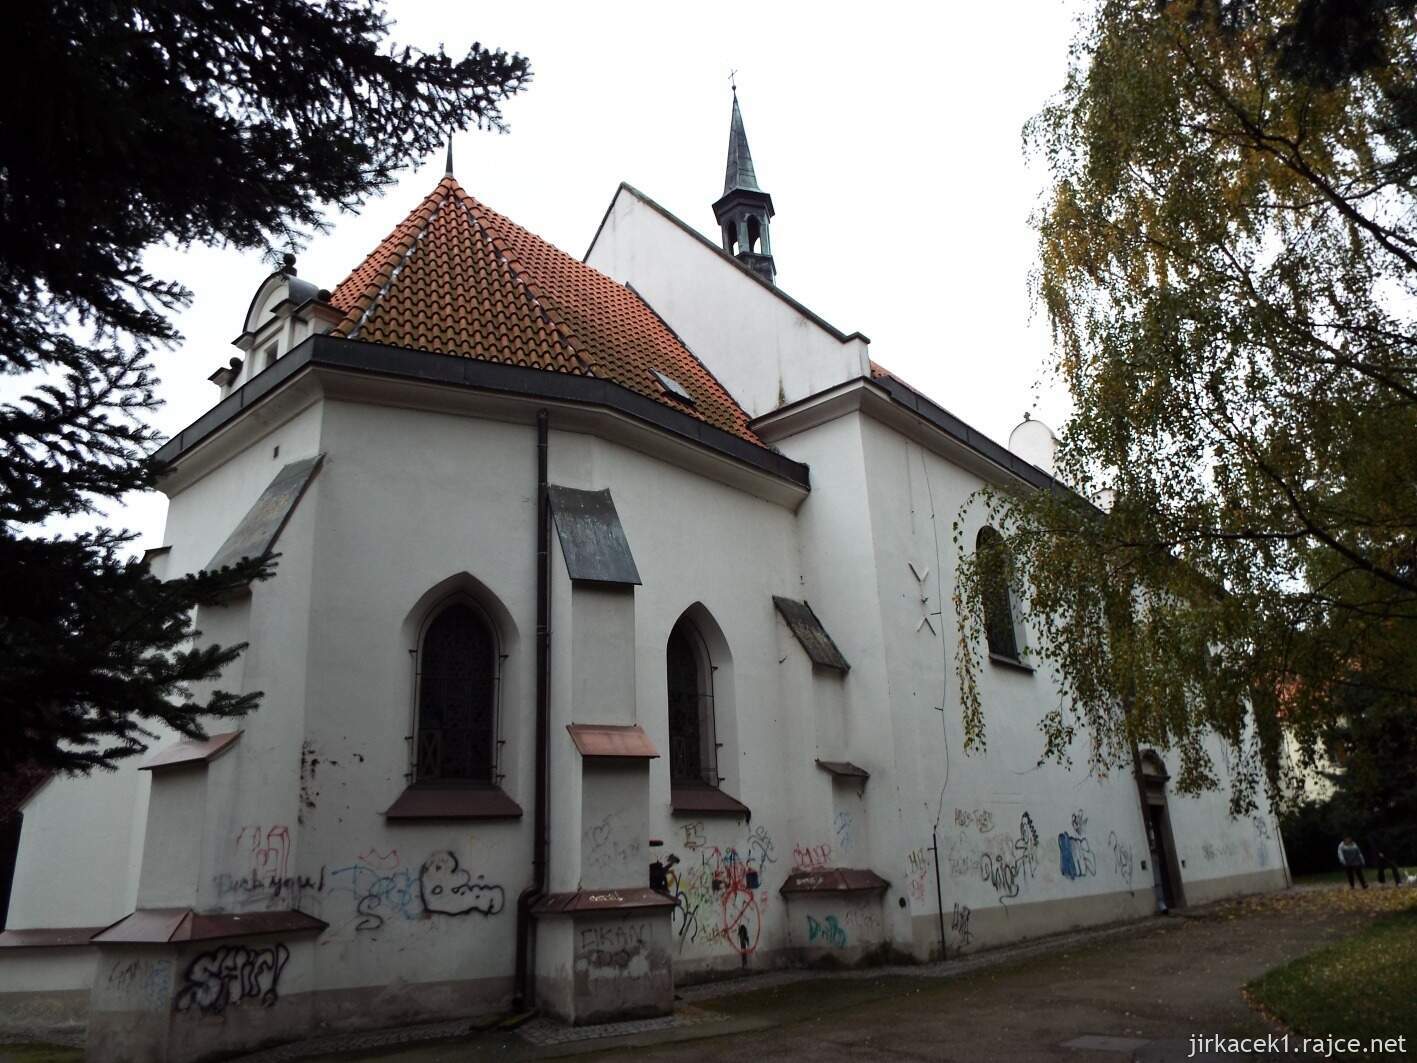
(455, 737)
(692, 745)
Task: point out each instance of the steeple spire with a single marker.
(740, 160)
(744, 209)
(448, 171)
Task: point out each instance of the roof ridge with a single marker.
(518, 270)
(693, 411)
(387, 250)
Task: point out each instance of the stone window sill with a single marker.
(700, 799)
(1010, 662)
(453, 801)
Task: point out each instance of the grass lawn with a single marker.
(1338, 875)
(40, 1053)
(1364, 986)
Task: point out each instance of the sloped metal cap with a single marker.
(191, 751)
(258, 531)
(810, 633)
(740, 172)
(835, 880)
(612, 741)
(593, 541)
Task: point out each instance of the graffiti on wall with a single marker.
(863, 918)
(614, 949)
(721, 897)
(381, 888)
(981, 819)
(231, 975)
(1122, 858)
(149, 981)
(1262, 840)
(1225, 850)
(1012, 861)
(448, 889)
(842, 825)
(1075, 859)
(608, 845)
(826, 932)
(917, 870)
(693, 836)
(811, 857)
(959, 923)
(263, 877)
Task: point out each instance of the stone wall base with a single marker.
(1205, 890)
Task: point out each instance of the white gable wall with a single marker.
(762, 349)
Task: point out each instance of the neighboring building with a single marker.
(644, 516)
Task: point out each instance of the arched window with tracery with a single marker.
(456, 737)
(692, 746)
(995, 571)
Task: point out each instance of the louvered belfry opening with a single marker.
(456, 698)
(691, 741)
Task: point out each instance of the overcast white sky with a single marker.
(888, 135)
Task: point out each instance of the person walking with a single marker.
(1350, 855)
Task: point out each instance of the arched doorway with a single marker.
(1166, 870)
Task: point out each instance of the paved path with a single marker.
(1134, 992)
(1138, 992)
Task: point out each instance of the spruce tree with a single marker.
(125, 125)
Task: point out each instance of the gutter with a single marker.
(398, 363)
(525, 977)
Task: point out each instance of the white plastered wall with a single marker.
(763, 350)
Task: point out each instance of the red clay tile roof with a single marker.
(457, 278)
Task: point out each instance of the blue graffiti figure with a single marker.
(1075, 857)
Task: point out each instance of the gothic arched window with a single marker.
(692, 749)
(994, 572)
(457, 725)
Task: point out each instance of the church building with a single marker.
(609, 648)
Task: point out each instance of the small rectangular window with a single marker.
(672, 387)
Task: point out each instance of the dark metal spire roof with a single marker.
(448, 170)
(740, 161)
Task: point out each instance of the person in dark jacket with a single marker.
(1384, 863)
(1350, 855)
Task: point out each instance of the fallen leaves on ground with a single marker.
(1320, 900)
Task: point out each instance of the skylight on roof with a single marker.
(672, 387)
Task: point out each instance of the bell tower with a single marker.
(744, 209)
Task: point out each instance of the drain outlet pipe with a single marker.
(525, 977)
(939, 896)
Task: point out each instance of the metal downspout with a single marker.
(525, 979)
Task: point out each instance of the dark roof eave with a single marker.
(995, 453)
(939, 418)
(452, 370)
